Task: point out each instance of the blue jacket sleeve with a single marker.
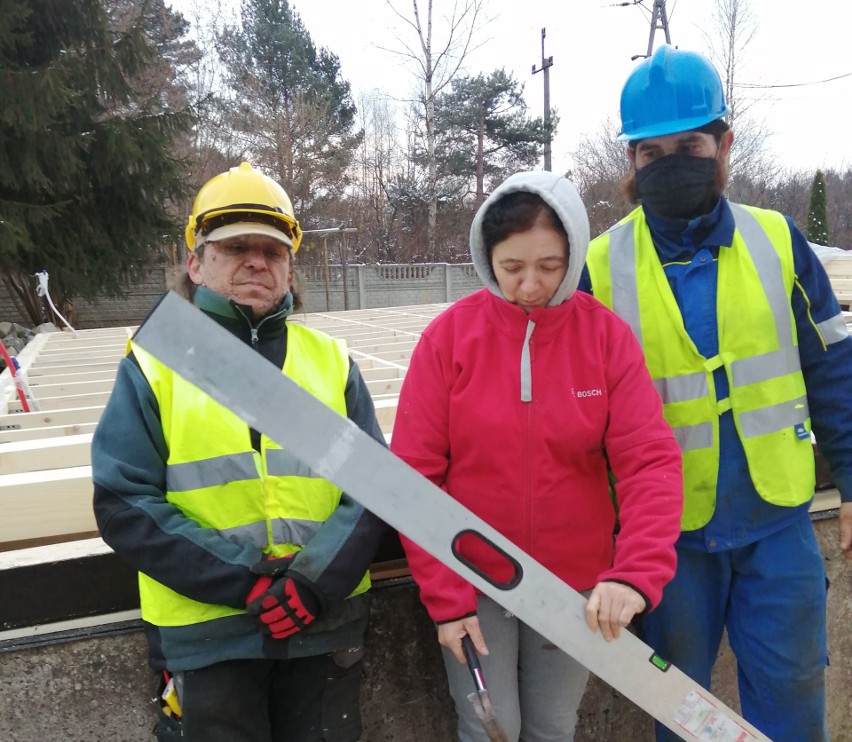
(585, 284)
(825, 350)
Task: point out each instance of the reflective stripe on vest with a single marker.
(266, 499)
(193, 475)
(834, 329)
(289, 531)
(766, 388)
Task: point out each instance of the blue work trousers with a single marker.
(770, 596)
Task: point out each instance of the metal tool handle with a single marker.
(473, 662)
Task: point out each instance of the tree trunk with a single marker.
(480, 162)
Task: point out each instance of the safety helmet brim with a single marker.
(243, 229)
(670, 127)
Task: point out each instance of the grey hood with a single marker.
(561, 195)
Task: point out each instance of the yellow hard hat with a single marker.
(242, 201)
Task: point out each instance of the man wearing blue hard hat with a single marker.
(749, 351)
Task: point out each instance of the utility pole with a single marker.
(546, 64)
(659, 22)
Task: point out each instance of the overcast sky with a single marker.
(592, 42)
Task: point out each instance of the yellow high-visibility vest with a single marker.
(215, 477)
(758, 350)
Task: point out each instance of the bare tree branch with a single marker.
(753, 169)
(436, 71)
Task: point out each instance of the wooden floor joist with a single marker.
(65, 369)
(839, 270)
(65, 402)
(107, 376)
(45, 477)
(45, 431)
(41, 454)
(38, 504)
(67, 416)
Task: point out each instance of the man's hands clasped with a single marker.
(283, 605)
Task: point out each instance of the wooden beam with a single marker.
(386, 414)
(72, 401)
(825, 500)
(42, 454)
(384, 386)
(840, 267)
(358, 356)
(76, 359)
(69, 416)
(72, 378)
(46, 503)
(376, 349)
(61, 582)
(380, 372)
(57, 583)
(39, 370)
(70, 387)
(46, 431)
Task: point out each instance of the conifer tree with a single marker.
(290, 105)
(85, 164)
(484, 131)
(818, 211)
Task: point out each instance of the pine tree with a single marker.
(818, 211)
(290, 105)
(85, 163)
(485, 133)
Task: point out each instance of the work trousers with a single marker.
(770, 596)
(306, 699)
(534, 686)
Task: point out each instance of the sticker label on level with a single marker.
(701, 718)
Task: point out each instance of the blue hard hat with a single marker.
(672, 90)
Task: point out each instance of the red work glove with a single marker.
(286, 608)
(283, 606)
(270, 568)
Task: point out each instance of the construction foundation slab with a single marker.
(94, 684)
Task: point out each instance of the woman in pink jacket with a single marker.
(519, 401)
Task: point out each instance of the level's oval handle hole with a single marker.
(487, 559)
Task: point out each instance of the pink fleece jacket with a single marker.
(537, 470)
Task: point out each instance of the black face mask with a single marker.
(678, 186)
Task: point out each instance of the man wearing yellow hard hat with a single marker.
(749, 351)
(252, 569)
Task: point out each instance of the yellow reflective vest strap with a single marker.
(269, 498)
(758, 350)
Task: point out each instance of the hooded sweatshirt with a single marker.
(524, 417)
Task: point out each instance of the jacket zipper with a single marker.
(529, 462)
(252, 329)
(255, 340)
